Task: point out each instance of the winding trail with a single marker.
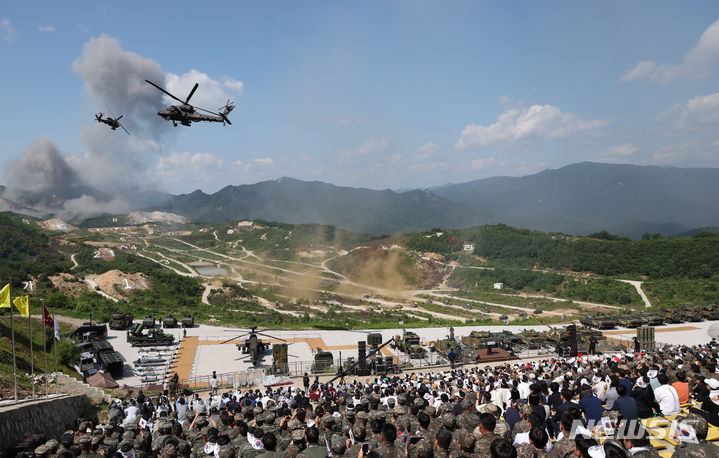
(638, 286)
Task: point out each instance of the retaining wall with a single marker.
(49, 417)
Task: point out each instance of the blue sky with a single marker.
(373, 94)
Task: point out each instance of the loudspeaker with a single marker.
(572, 340)
(362, 358)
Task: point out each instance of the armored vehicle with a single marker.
(673, 315)
(711, 312)
(599, 321)
(692, 314)
(148, 322)
(169, 322)
(188, 321)
(89, 332)
(408, 343)
(324, 362)
(120, 321)
(154, 336)
(630, 320)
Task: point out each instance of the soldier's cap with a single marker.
(298, 434)
(449, 421)
(42, 449)
(466, 403)
(201, 422)
(493, 409)
(467, 442)
(338, 444)
(525, 409)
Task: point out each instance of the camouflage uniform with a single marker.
(530, 451)
(700, 450)
(563, 448)
(481, 447)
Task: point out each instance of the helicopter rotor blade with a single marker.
(191, 93)
(158, 87)
(123, 127)
(230, 340)
(110, 110)
(207, 111)
(271, 337)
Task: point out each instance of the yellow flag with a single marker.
(21, 303)
(5, 296)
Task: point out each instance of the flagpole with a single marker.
(54, 349)
(12, 332)
(44, 343)
(32, 362)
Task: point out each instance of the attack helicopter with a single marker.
(185, 113)
(114, 123)
(253, 345)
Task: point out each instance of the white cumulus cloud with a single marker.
(538, 122)
(211, 94)
(369, 146)
(697, 64)
(699, 111)
(8, 32)
(619, 151)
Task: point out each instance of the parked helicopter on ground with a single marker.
(185, 113)
(253, 345)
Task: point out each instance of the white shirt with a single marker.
(523, 388)
(131, 414)
(668, 400)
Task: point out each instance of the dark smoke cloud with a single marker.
(41, 167)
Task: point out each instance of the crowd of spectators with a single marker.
(558, 407)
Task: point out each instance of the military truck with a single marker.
(120, 321)
(148, 322)
(408, 343)
(154, 336)
(169, 322)
(188, 321)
